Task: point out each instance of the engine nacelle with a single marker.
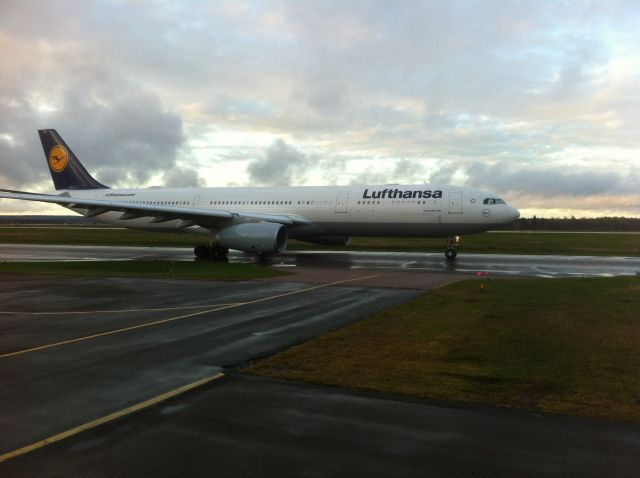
(254, 237)
(329, 240)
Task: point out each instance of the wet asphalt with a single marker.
(76, 350)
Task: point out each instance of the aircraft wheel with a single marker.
(451, 253)
(202, 251)
(219, 253)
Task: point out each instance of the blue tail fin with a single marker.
(66, 170)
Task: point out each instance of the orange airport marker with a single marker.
(479, 274)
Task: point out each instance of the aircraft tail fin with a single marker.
(66, 170)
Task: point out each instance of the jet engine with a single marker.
(254, 237)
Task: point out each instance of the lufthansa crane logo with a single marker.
(58, 158)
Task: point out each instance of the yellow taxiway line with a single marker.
(180, 317)
(114, 311)
(108, 418)
(109, 332)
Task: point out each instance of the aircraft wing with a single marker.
(190, 216)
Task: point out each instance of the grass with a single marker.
(563, 346)
(581, 244)
(487, 243)
(96, 236)
(205, 270)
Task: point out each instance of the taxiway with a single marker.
(73, 350)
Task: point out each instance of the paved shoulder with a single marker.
(249, 426)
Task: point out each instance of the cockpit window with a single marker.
(493, 201)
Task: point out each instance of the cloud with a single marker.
(120, 131)
(281, 165)
(548, 181)
(402, 171)
(181, 177)
(512, 96)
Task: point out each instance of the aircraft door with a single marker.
(195, 201)
(341, 202)
(455, 203)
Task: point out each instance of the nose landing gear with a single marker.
(451, 251)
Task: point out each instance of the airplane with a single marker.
(261, 220)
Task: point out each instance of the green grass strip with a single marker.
(578, 244)
(205, 270)
(561, 346)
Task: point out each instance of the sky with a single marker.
(535, 101)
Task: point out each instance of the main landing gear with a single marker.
(217, 253)
(451, 251)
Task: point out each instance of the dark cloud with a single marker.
(181, 177)
(402, 171)
(281, 165)
(549, 181)
(127, 139)
(22, 161)
(370, 177)
(408, 170)
(444, 174)
(120, 131)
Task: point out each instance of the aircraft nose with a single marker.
(515, 213)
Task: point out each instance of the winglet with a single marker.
(66, 170)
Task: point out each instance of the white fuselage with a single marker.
(388, 210)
